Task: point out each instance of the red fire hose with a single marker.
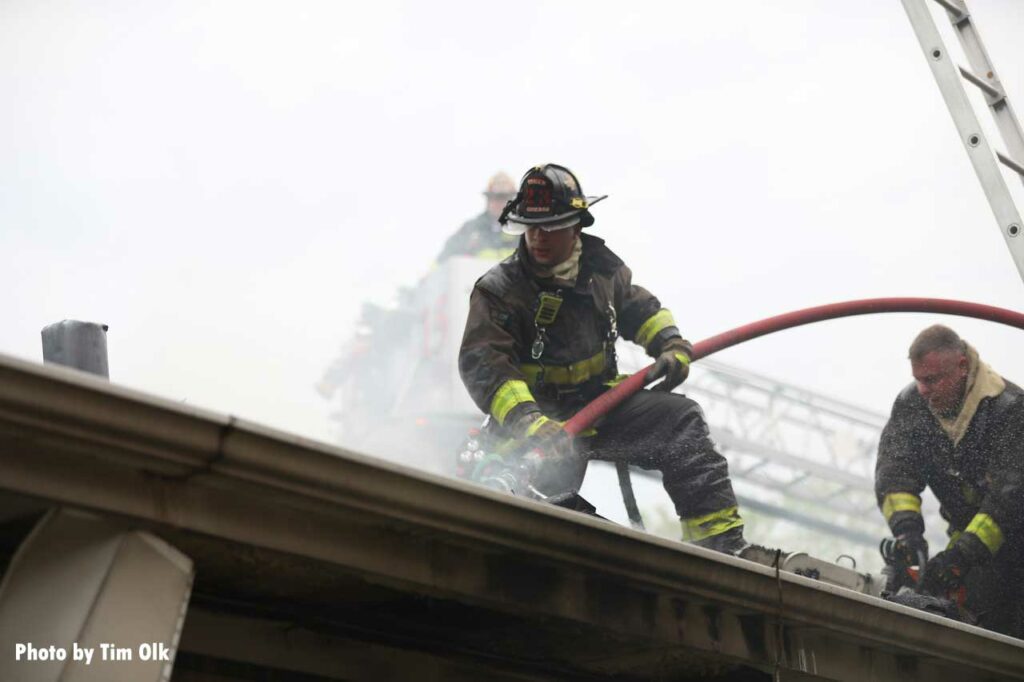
(604, 403)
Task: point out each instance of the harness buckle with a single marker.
(537, 349)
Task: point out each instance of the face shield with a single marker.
(517, 228)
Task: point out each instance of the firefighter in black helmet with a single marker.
(540, 344)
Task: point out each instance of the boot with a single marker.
(729, 542)
(732, 542)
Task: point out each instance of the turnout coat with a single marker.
(572, 357)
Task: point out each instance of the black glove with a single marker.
(945, 572)
(910, 547)
(673, 363)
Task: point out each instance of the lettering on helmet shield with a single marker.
(537, 197)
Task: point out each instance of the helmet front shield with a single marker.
(550, 198)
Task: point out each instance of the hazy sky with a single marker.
(223, 183)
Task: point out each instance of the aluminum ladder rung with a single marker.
(983, 74)
(1010, 163)
(956, 8)
(950, 77)
(994, 93)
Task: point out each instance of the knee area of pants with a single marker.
(691, 417)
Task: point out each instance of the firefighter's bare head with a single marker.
(551, 247)
(938, 360)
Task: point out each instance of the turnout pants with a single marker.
(995, 591)
(667, 432)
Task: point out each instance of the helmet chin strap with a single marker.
(503, 218)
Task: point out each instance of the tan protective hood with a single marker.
(982, 382)
(567, 271)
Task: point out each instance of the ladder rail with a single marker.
(983, 74)
(983, 159)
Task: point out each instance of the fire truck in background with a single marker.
(396, 383)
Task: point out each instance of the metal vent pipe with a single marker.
(81, 345)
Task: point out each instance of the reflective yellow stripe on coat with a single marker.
(987, 530)
(511, 393)
(897, 502)
(566, 375)
(654, 324)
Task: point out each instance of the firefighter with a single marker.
(540, 344)
(959, 429)
(482, 237)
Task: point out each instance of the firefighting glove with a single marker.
(544, 427)
(540, 432)
(945, 573)
(673, 363)
(910, 547)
